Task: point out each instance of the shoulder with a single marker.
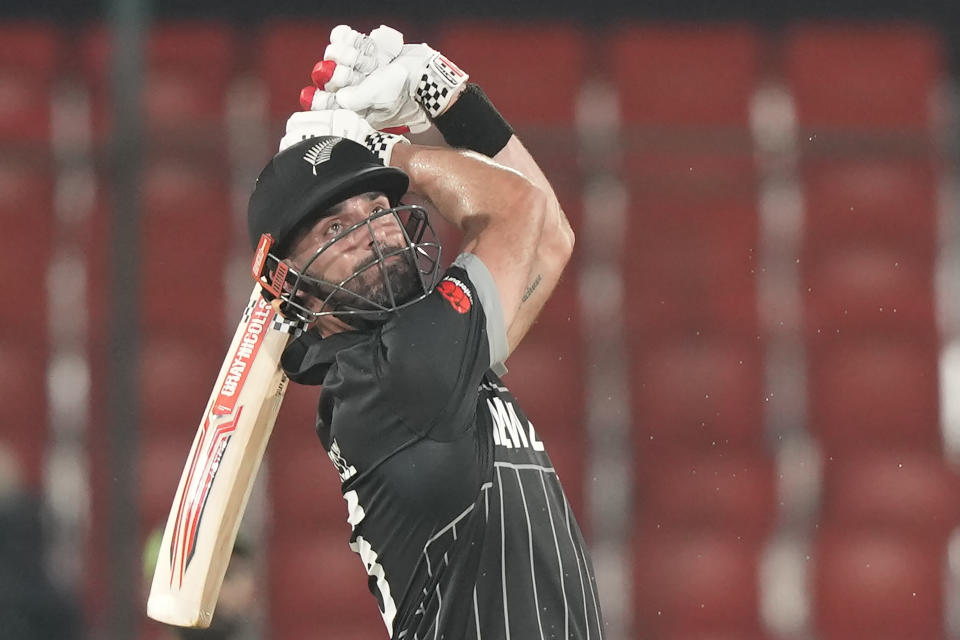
(434, 353)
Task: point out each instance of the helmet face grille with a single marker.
(394, 277)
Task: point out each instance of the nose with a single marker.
(382, 228)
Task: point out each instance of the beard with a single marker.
(373, 282)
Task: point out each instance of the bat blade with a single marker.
(220, 470)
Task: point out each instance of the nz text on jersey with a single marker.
(508, 431)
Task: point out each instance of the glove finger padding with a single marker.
(313, 99)
(344, 33)
(389, 43)
(355, 55)
(352, 65)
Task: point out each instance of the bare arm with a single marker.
(503, 215)
(554, 246)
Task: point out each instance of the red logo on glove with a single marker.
(456, 293)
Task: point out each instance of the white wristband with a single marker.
(382, 144)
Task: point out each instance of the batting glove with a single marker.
(351, 56)
(344, 123)
(415, 83)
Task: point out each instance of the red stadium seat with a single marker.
(186, 234)
(891, 199)
(869, 245)
(538, 90)
(23, 394)
(755, 634)
(297, 418)
(671, 287)
(685, 76)
(696, 394)
(29, 55)
(538, 95)
(692, 584)
(191, 66)
(671, 168)
(914, 493)
(718, 491)
(720, 219)
(186, 231)
(189, 70)
(318, 583)
(184, 368)
(304, 487)
(26, 200)
(27, 217)
(162, 457)
(691, 264)
(869, 288)
(866, 77)
(289, 50)
(871, 392)
(876, 585)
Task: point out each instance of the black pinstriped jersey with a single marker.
(456, 510)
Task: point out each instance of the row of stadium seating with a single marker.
(706, 480)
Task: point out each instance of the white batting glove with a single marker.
(344, 123)
(416, 83)
(355, 55)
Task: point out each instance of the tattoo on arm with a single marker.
(533, 287)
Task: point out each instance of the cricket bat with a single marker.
(220, 471)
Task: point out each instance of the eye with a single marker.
(334, 228)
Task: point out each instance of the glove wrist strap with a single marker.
(472, 122)
(437, 84)
(381, 144)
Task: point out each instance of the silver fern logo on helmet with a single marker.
(320, 152)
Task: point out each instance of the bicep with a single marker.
(509, 252)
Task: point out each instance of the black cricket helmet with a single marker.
(296, 188)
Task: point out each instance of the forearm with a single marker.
(500, 212)
(557, 233)
(516, 156)
(481, 128)
(474, 121)
(470, 191)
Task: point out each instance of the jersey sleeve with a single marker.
(435, 352)
(486, 290)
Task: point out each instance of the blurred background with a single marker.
(749, 379)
